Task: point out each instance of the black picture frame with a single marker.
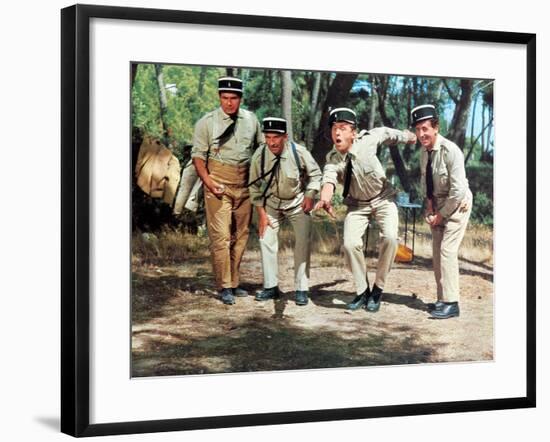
(75, 213)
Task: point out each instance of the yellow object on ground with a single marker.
(404, 254)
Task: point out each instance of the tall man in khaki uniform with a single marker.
(284, 180)
(368, 195)
(223, 143)
(448, 205)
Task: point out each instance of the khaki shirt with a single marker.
(449, 175)
(368, 182)
(286, 190)
(237, 149)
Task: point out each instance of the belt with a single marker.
(381, 193)
(227, 174)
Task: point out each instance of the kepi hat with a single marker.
(421, 113)
(230, 84)
(274, 124)
(342, 114)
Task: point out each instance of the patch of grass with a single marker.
(171, 246)
(477, 245)
(168, 247)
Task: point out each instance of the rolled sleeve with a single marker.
(389, 136)
(201, 142)
(333, 170)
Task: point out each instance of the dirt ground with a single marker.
(181, 327)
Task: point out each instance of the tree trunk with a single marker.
(409, 104)
(373, 103)
(163, 103)
(400, 170)
(475, 141)
(457, 134)
(244, 75)
(323, 91)
(134, 72)
(286, 103)
(438, 92)
(202, 77)
(483, 132)
(472, 143)
(313, 108)
(337, 96)
(489, 130)
(415, 91)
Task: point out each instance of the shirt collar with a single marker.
(437, 144)
(284, 153)
(225, 117)
(353, 151)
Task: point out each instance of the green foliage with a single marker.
(482, 210)
(145, 102)
(185, 104)
(480, 177)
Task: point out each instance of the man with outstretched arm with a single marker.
(368, 196)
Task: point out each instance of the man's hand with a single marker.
(464, 206)
(322, 204)
(263, 223)
(214, 187)
(307, 204)
(435, 219)
(429, 208)
(411, 137)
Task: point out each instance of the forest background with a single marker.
(167, 101)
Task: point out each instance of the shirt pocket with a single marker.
(247, 135)
(443, 176)
(291, 185)
(246, 140)
(372, 181)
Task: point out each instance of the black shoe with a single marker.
(237, 291)
(448, 310)
(301, 297)
(226, 296)
(373, 303)
(265, 294)
(435, 306)
(359, 301)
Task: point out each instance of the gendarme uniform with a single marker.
(279, 184)
(368, 195)
(450, 193)
(226, 145)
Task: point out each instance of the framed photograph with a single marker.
(154, 339)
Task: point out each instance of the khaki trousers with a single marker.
(446, 239)
(269, 246)
(228, 219)
(355, 224)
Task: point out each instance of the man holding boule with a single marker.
(284, 180)
(448, 206)
(223, 143)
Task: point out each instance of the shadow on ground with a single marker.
(262, 344)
